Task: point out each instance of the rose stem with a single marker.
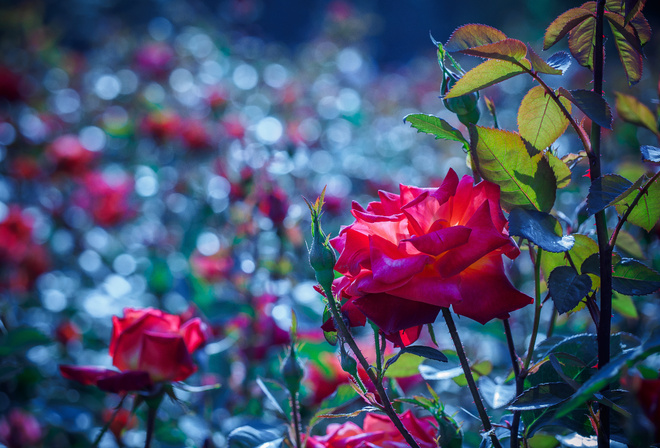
(151, 420)
(346, 336)
(107, 425)
(515, 424)
(537, 303)
(468, 376)
(296, 418)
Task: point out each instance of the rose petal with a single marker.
(405, 337)
(390, 265)
(355, 317)
(448, 188)
(87, 375)
(393, 314)
(194, 334)
(354, 253)
(136, 321)
(487, 292)
(429, 287)
(165, 357)
(439, 241)
(125, 382)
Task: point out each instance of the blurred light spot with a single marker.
(128, 80)
(124, 264)
(92, 138)
(116, 286)
(7, 134)
(177, 202)
(310, 129)
(115, 117)
(83, 421)
(90, 261)
(212, 71)
(107, 87)
(248, 266)
(208, 243)
(54, 300)
(66, 101)
(175, 303)
(245, 77)
(200, 45)
(276, 76)
(177, 263)
(281, 163)
(99, 305)
(160, 28)
(337, 185)
(62, 241)
(349, 60)
(327, 107)
(181, 80)
(282, 314)
(32, 127)
(321, 161)
(146, 186)
(154, 93)
(269, 130)
(218, 187)
(348, 101)
(97, 238)
(56, 79)
(39, 355)
(4, 211)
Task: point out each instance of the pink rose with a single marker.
(410, 254)
(377, 431)
(147, 346)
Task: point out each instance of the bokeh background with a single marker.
(156, 153)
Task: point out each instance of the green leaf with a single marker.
(561, 171)
(486, 74)
(511, 50)
(473, 35)
(540, 120)
(540, 65)
(631, 110)
(437, 127)
(563, 24)
(266, 389)
(581, 42)
(344, 394)
(627, 244)
(526, 180)
(540, 228)
(607, 190)
(412, 365)
(568, 288)
(592, 104)
(402, 365)
(647, 211)
(581, 250)
(650, 153)
(330, 336)
(624, 305)
(541, 396)
(628, 46)
(21, 339)
(633, 278)
(425, 352)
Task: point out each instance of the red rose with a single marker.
(377, 431)
(106, 196)
(147, 346)
(69, 155)
(19, 429)
(410, 254)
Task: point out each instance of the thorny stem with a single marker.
(348, 338)
(537, 309)
(107, 425)
(481, 410)
(151, 423)
(296, 419)
(515, 363)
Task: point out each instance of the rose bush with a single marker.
(147, 346)
(410, 254)
(377, 431)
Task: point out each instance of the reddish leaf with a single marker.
(511, 50)
(563, 24)
(581, 42)
(628, 47)
(641, 25)
(632, 8)
(473, 35)
(539, 65)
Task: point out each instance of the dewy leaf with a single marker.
(563, 24)
(486, 74)
(541, 396)
(650, 153)
(647, 211)
(511, 50)
(568, 288)
(630, 109)
(437, 127)
(628, 46)
(592, 104)
(473, 35)
(606, 190)
(581, 250)
(560, 169)
(633, 278)
(540, 228)
(540, 120)
(581, 42)
(495, 393)
(539, 65)
(560, 61)
(502, 157)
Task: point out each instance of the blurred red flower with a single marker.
(19, 429)
(377, 431)
(106, 197)
(147, 346)
(69, 155)
(410, 254)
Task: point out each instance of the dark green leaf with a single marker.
(437, 127)
(486, 74)
(628, 46)
(647, 210)
(650, 153)
(540, 228)
(473, 35)
(593, 105)
(425, 352)
(522, 173)
(568, 288)
(21, 339)
(541, 66)
(344, 394)
(560, 169)
(581, 250)
(271, 398)
(564, 24)
(495, 393)
(249, 437)
(560, 61)
(632, 277)
(412, 365)
(606, 190)
(541, 396)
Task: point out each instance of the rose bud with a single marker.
(465, 106)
